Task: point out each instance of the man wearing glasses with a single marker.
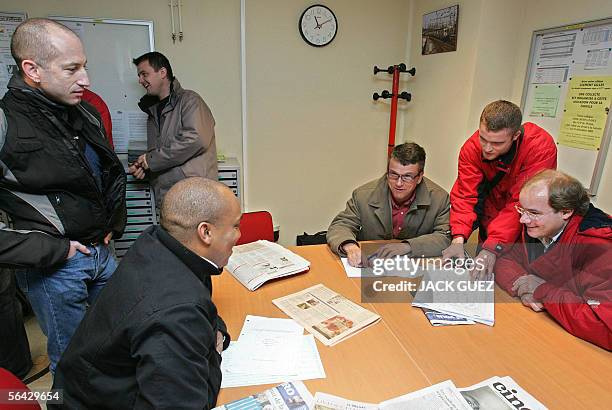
(401, 205)
(493, 165)
(562, 265)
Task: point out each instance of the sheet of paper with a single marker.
(585, 112)
(353, 272)
(268, 353)
(545, 100)
(309, 366)
(270, 324)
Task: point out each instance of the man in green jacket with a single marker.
(401, 205)
(180, 129)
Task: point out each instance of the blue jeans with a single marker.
(60, 295)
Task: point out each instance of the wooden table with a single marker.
(403, 352)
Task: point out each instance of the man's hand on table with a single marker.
(353, 254)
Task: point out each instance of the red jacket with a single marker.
(100, 106)
(578, 274)
(534, 150)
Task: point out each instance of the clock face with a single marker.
(318, 25)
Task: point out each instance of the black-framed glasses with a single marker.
(405, 178)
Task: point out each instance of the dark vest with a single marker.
(44, 158)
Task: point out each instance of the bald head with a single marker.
(194, 200)
(34, 40)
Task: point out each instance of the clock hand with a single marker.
(326, 21)
(318, 25)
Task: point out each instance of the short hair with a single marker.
(190, 202)
(564, 191)
(409, 153)
(501, 114)
(33, 40)
(157, 61)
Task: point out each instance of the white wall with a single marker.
(314, 133)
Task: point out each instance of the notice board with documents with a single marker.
(568, 91)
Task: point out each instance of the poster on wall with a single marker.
(439, 33)
(8, 24)
(568, 92)
(586, 111)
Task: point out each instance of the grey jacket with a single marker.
(368, 217)
(182, 144)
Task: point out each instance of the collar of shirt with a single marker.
(547, 242)
(398, 213)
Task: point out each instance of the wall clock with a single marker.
(318, 25)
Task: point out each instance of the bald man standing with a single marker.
(154, 339)
(60, 182)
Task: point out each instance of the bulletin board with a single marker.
(568, 91)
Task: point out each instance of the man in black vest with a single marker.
(60, 182)
(154, 338)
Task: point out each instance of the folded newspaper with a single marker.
(444, 319)
(496, 393)
(329, 316)
(286, 396)
(453, 292)
(255, 263)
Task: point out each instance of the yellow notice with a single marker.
(586, 110)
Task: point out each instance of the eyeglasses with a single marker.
(405, 178)
(522, 211)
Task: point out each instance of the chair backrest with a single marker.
(255, 226)
(10, 382)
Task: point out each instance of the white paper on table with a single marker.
(270, 324)
(309, 366)
(266, 353)
(353, 272)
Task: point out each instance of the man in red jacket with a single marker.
(100, 106)
(562, 265)
(493, 165)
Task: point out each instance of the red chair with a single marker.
(11, 383)
(255, 226)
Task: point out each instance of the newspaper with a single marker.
(286, 396)
(444, 319)
(500, 393)
(329, 316)
(452, 292)
(255, 263)
(496, 393)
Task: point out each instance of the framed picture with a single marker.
(440, 30)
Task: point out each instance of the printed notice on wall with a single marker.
(545, 100)
(586, 111)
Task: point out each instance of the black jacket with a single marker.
(149, 339)
(46, 184)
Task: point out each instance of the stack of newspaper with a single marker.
(329, 316)
(287, 396)
(255, 263)
(453, 293)
(270, 350)
(498, 393)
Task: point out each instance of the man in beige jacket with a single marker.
(401, 205)
(180, 129)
